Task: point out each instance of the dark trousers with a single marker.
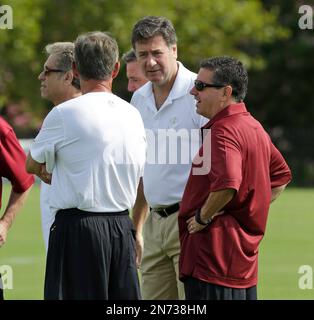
(91, 256)
(196, 289)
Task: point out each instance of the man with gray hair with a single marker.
(98, 145)
(57, 73)
(135, 75)
(58, 85)
(166, 106)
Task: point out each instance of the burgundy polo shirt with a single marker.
(12, 160)
(236, 153)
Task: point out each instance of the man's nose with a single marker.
(131, 87)
(193, 91)
(151, 61)
(41, 76)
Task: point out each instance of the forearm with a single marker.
(215, 202)
(140, 209)
(15, 203)
(275, 192)
(37, 168)
(33, 166)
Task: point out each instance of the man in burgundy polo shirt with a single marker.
(235, 176)
(12, 167)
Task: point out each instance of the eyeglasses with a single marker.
(200, 85)
(47, 70)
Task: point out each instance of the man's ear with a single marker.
(75, 71)
(174, 49)
(116, 70)
(228, 91)
(68, 76)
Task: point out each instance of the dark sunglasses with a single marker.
(47, 70)
(200, 85)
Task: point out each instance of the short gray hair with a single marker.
(152, 26)
(96, 54)
(64, 52)
(129, 56)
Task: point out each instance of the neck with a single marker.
(92, 85)
(71, 94)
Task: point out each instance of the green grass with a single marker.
(24, 250)
(288, 244)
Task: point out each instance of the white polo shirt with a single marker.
(98, 145)
(173, 138)
(47, 216)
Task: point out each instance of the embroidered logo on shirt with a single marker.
(172, 122)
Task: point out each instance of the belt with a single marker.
(165, 212)
(82, 213)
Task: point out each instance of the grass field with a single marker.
(288, 244)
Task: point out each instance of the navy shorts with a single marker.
(196, 289)
(91, 255)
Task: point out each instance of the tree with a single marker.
(18, 51)
(204, 28)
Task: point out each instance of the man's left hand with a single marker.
(193, 226)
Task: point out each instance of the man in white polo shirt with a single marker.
(57, 84)
(97, 142)
(172, 126)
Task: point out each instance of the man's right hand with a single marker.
(3, 232)
(139, 246)
(44, 175)
(139, 214)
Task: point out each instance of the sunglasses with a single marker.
(47, 70)
(200, 85)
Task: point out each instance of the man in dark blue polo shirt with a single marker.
(235, 176)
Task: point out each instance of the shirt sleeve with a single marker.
(49, 139)
(12, 163)
(226, 161)
(280, 173)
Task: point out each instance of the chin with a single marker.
(157, 80)
(198, 110)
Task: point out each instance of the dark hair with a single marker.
(65, 58)
(96, 54)
(228, 71)
(152, 26)
(129, 56)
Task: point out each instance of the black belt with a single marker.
(165, 212)
(82, 213)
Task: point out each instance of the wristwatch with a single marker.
(199, 220)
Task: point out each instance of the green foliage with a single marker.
(204, 28)
(18, 51)
(282, 93)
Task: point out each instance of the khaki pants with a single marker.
(160, 264)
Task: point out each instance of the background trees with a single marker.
(204, 28)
